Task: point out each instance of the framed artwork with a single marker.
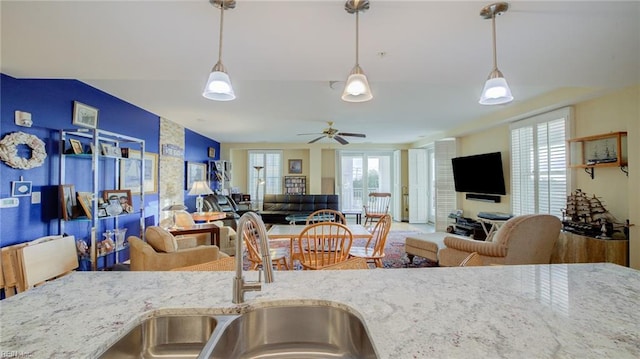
(123, 196)
(212, 152)
(20, 188)
(85, 198)
(102, 212)
(84, 115)
(195, 172)
(131, 168)
(110, 150)
(295, 166)
(76, 146)
(67, 194)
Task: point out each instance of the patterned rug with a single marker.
(395, 256)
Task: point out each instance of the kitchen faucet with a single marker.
(250, 224)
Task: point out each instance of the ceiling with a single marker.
(426, 60)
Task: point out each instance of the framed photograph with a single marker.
(212, 152)
(68, 203)
(102, 212)
(195, 172)
(76, 146)
(20, 188)
(110, 150)
(85, 198)
(295, 166)
(123, 196)
(84, 115)
(131, 169)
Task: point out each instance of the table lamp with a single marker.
(198, 189)
(173, 208)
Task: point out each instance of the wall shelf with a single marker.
(606, 150)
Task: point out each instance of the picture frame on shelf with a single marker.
(123, 196)
(85, 198)
(295, 166)
(212, 152)
(84, 115)
(76, 146)
(110, 150)
(21, 188)
(130, 170)
(195, 172)
(68, 203)
(102, 212)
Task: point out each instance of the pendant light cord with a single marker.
(221, 27)
(495, 56)
(357, 37)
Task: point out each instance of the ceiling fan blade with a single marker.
(317, 139)
(352, 134)
(341, 140)
(314, 133)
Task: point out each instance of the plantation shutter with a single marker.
(446, 199)
(271, 174)
(538, 163)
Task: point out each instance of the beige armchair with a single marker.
(162, 251)
(527, 239)
(227, 233)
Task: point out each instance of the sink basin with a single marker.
(168, 336)
(299, 331)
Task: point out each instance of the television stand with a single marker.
(470, 228)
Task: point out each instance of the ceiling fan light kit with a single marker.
(496, 90)
(357, 87)
(218, 85)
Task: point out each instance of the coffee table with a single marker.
(295, 218)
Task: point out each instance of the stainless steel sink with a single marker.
(302, 331)
(169, 336)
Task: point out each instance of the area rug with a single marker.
(395, 255)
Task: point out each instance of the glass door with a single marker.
(361, 173)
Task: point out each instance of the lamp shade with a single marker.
(175, 207)
(357, 87)
(200, 188)
(496, 92)
(219, 87)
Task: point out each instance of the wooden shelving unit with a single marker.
(295, 185)
(606, 150)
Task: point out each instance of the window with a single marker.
(270, 176)
(539, 163)
(355, 185)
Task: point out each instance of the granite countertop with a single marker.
(541, 311)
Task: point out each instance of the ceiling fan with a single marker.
(331, 132)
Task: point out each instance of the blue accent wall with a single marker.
(197, 147)
(50, 103)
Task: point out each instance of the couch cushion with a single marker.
(161, 240)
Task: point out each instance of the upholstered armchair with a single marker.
(527, 239)
(162, 251)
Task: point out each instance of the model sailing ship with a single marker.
(587, 216)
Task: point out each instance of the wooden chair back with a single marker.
(351, 263)
(376, 207)
(323, 244)
(250, 235)
(326, 215)
(380, 232)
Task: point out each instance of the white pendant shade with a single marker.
(219, 87)
(496, 92)
(357, 88)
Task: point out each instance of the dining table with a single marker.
(292, 231)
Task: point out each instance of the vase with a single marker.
(120, 236)
(114, 208)
(107, 244)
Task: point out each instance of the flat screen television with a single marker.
(479, 173)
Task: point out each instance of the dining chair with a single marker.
(250, 234)
(351, 263)
(377, 206)
(326, 215)
(323, 244)
(373, 250)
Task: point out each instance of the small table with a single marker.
(208, 216)
(210, 228)
(358, 215)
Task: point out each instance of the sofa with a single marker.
(276, 207)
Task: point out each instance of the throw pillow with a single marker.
(161, 240)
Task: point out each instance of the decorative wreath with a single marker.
(9, 150)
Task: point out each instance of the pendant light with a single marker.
(495, 91)
(218, 85)
(357, 87)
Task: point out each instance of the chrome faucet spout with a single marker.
(250, 224)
